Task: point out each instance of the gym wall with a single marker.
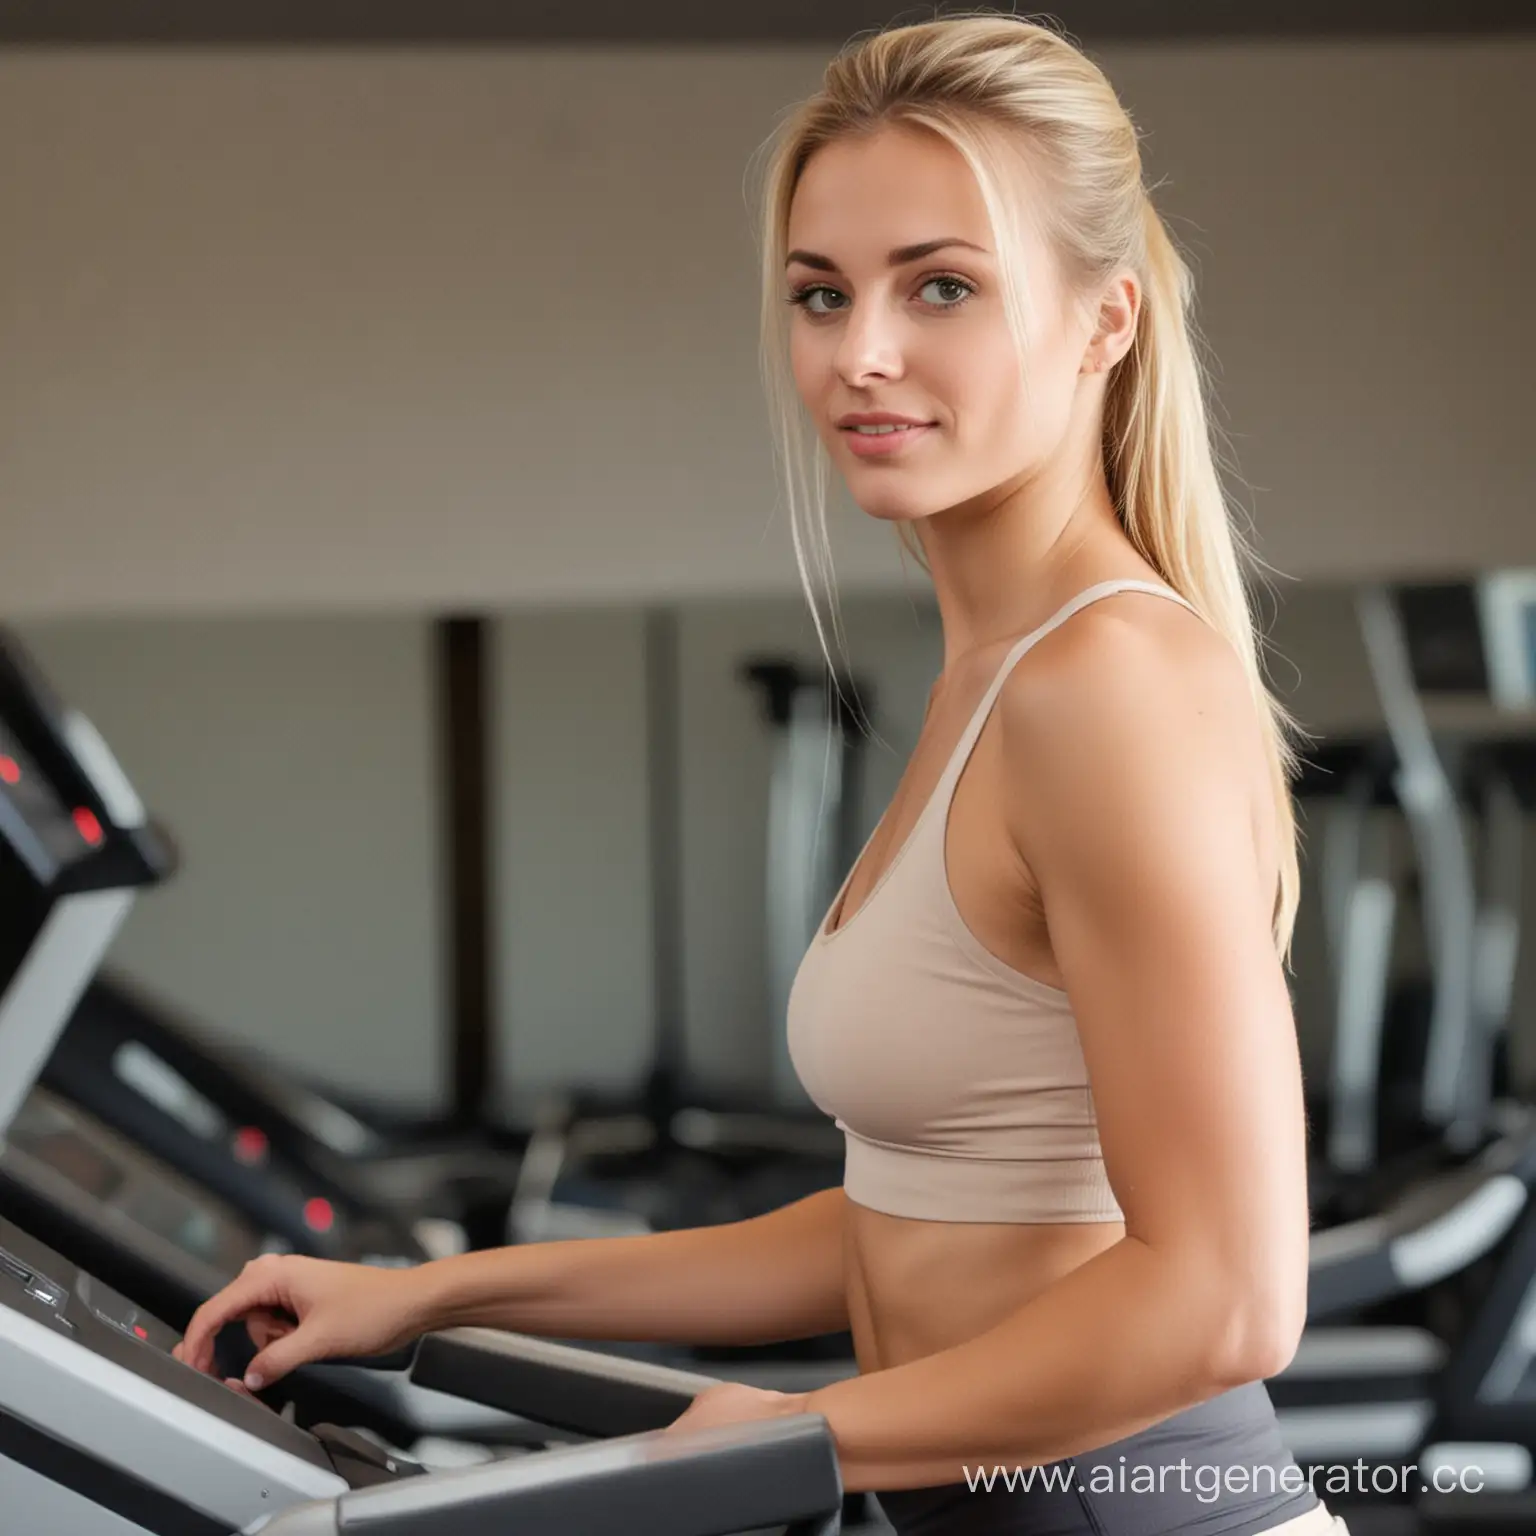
(344, 330)
(293, 760)
(573, 957)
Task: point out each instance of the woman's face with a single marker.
(892, 257)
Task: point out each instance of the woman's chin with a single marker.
(895, 510)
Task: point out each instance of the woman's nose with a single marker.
(870, 345)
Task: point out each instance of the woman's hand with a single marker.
(299, 1309)
(732, 1402)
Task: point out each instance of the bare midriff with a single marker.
(918, 1287)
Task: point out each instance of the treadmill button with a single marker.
(15, 1268)
(46, 1291)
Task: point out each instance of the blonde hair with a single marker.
(990, 84)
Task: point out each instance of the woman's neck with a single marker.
(1004, 564)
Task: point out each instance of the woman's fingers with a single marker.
(256, 1287)
(264, 1326)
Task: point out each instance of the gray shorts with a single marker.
(1219, 1469)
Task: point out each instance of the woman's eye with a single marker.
(953, 291)
(804, 297)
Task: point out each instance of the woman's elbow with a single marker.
(1260, 1328)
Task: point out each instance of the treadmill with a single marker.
(73, 821)
(103, 1433)
(1418, 1069)
(196, 1104)
(1459, 1389)
(1487, 1407)
(1370, 1138)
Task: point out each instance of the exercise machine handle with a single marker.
(709, 1482)
(560, 1385)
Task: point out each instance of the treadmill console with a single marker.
(1507, 602)
(125, 1063)
(1475, 637)
(46, 837)
(101, 1300)
(102, 1431)
(103, 1183)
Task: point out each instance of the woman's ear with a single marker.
(1115, 325)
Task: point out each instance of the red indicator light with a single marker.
(318, 1215)
(251, 1145)
(10, 771)
(88, 827)
(141, 1331)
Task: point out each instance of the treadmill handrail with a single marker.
(703, 1482)
(582, 1390)
(1437, 1229)
(706, 1482)
(1452, 1098)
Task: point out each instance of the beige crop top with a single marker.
(957, 1081)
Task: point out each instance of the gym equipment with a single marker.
(102, 1433)
(165, 1239)
(1351, 783)
(1461, 1393)
(62, 789)
(54, 757)
(75, 845)
(672, 1156)
(1455, 1087)
(813, 823)
(1506, 607)
(1487, 1406)
(1418, 1069)
(202, 1107)
(1370, 1390)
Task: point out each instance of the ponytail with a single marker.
(1163, 475)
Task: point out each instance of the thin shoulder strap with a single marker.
(1027, 643)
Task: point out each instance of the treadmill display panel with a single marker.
(63, 1149)
(116, 1175)
(193, 1227)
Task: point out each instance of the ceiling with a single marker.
(712, 21)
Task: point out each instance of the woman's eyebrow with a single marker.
(897, 258)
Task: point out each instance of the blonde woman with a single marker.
(1048, 1008)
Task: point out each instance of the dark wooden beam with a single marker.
(663, 773)
(463, 726)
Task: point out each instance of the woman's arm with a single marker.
(771, 1278)
(1132, 760)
